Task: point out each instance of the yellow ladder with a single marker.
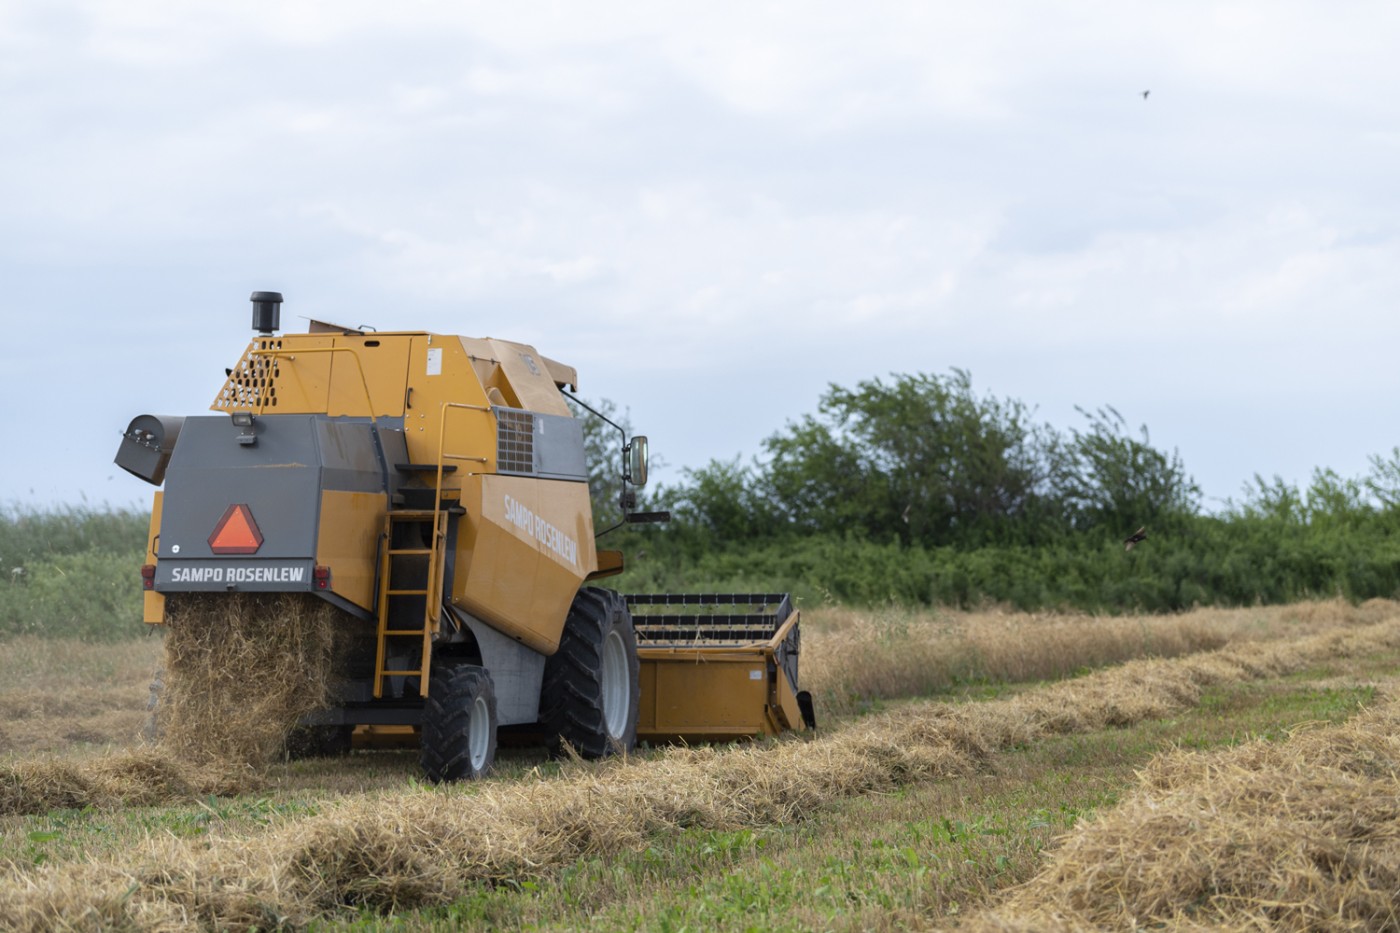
(406, 575)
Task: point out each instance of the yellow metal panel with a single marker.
(646, 714)
(519, 371)
(383, 360)
(439, 371)
(525, 547)
(153, 603)
(782, 701)
(610, 563)
(703, 700)
(530, 377)
(561, 374)
(347, 541)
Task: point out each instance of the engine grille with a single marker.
(515, 441)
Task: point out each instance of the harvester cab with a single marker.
(434, 490)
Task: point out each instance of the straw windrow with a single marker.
(1301, 835)
(427, 846)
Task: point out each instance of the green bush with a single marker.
(71, 572)
(94, 595)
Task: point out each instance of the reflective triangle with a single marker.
(236, 532)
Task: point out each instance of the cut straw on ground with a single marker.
(851, 658)
(433, 846)
(240, 672)
(1301, 835)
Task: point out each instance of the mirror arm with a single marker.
(626, 452)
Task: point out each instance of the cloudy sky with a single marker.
(715, 210)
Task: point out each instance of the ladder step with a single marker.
(402, 674)
(414, 551)
(407, 592)
(415, 632)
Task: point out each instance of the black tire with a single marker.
(459, 724)
(592, 685)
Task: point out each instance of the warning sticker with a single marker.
(236, 532)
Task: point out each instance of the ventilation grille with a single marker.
(515, 441)
(253, 382)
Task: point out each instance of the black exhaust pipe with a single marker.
(267, 312)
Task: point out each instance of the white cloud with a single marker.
(753, 199)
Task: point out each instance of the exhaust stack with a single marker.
(267, 312)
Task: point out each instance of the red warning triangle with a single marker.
(236, 533)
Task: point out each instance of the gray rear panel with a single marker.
(279, 478)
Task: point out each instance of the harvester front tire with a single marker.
(592, 684)
(459, 724)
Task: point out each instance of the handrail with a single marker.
(442, 455)
(291, 355)
(435, 560)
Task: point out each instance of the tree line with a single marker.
(917, 488)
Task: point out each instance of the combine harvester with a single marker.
(434, 488)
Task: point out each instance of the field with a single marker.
(1216, 768)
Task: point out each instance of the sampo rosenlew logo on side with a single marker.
(236, 532)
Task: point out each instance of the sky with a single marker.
(715, 211)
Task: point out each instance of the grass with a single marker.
(507, 844)
(924, 855)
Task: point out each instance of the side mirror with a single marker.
(637, 461)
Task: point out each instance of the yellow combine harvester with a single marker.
(435, 489)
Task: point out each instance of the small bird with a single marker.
(1134, 538)
(1144, 94)
(905, 516)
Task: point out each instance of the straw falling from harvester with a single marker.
(241, 670)
(392, 852)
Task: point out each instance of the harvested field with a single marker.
(1300, 835)
(855, 657)
(62, 696)
(406, 848)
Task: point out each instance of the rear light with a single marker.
(148, 576)
(322, 576)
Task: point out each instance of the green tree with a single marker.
(602, 448)
(721, 502)
(921, 457)
(1107, 476)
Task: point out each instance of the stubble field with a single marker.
(1219, 768)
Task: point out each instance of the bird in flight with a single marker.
(1144, 94)
(1134, 538)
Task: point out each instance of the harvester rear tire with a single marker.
(459, 724)
(592, 685)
